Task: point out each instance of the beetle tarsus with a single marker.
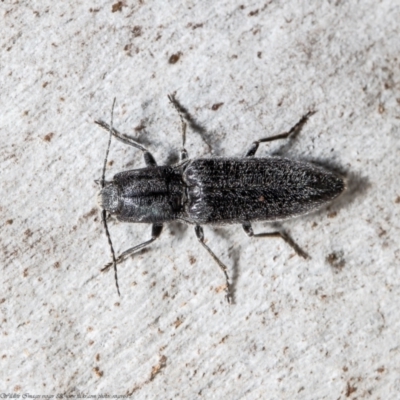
(296, 128)
(200, 236)
(283, 235)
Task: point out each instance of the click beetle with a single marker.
(214, 191)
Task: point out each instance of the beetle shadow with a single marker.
(172, 158)
(178, 229)
(234, 254)
(193, 123)
(141, 136)
(356, 185)
(143, 139)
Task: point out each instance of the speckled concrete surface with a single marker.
(324, 328)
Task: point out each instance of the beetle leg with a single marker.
(156, 230)
(184, 154)
(200, 235)
(148, 157)
(249, 231)
(284, 135)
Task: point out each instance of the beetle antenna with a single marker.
(104, 213)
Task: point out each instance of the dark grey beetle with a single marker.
(214, 191)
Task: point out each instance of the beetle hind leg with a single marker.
(200, 235)
(249, 232)
(296, 128)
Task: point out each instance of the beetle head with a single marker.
(108, 198)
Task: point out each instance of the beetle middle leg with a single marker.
(156, 230)
(249, 231)
(200, 235)
(184, 154)
(284, 135)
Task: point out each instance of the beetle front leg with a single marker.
(284, 135)
(148, 157)
(249, 231)
(156, 230)
(200, 235)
